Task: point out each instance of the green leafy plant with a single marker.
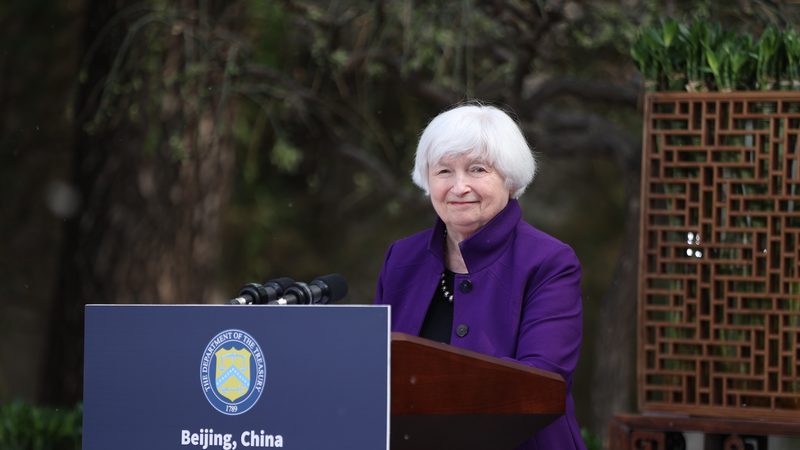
(791, 45)
(27, 427)
(664, 55)
(767, 59)
(642, 53)
(672, 57)
(701, 56)
(726, 58)
(692, 38)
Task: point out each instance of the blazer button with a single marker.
(462, 330)
(465, 286)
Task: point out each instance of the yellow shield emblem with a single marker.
(233, 372)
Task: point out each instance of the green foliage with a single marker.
(767, 58)
(285, 156)
(670, 56)
(727, 54)
(791, 43)
(592, 441)
(702, 55)
(27, 427)
(692, 38)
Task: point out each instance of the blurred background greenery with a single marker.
(171, 151)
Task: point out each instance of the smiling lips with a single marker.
(461, 203)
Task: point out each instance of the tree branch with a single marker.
(626, 94)
(584, 135)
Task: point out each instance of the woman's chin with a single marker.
(464, 226)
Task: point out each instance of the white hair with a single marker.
(481, 131)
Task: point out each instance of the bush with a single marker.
(27, 427)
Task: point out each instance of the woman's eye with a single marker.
(441, 171)
(479, 169)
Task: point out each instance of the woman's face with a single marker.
(466, 193)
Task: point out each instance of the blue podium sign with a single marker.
(236, 377)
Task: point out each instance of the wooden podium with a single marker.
(449, 398)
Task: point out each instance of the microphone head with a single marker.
(333, 285)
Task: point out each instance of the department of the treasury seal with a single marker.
(233, 372)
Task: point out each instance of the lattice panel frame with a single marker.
(719, 284)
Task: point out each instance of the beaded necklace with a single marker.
(446, 292)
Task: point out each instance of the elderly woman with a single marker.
(483, 279)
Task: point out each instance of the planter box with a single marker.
(719, 283)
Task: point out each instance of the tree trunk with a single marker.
(152, 168)
(614, 374)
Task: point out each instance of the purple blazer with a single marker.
(521, 300)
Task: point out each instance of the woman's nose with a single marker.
(460, 184)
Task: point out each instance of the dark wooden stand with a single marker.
(448, 398)
(665, 432)
(708, 361)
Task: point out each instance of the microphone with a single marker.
(325, 289)
(262, 293)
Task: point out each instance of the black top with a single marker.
(438, 324)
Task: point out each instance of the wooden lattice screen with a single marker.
(719, 284)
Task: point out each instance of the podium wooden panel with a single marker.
(449, 398)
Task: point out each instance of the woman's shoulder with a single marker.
(532, 237)
(528, 232)
(409, 249)
(420, 238)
